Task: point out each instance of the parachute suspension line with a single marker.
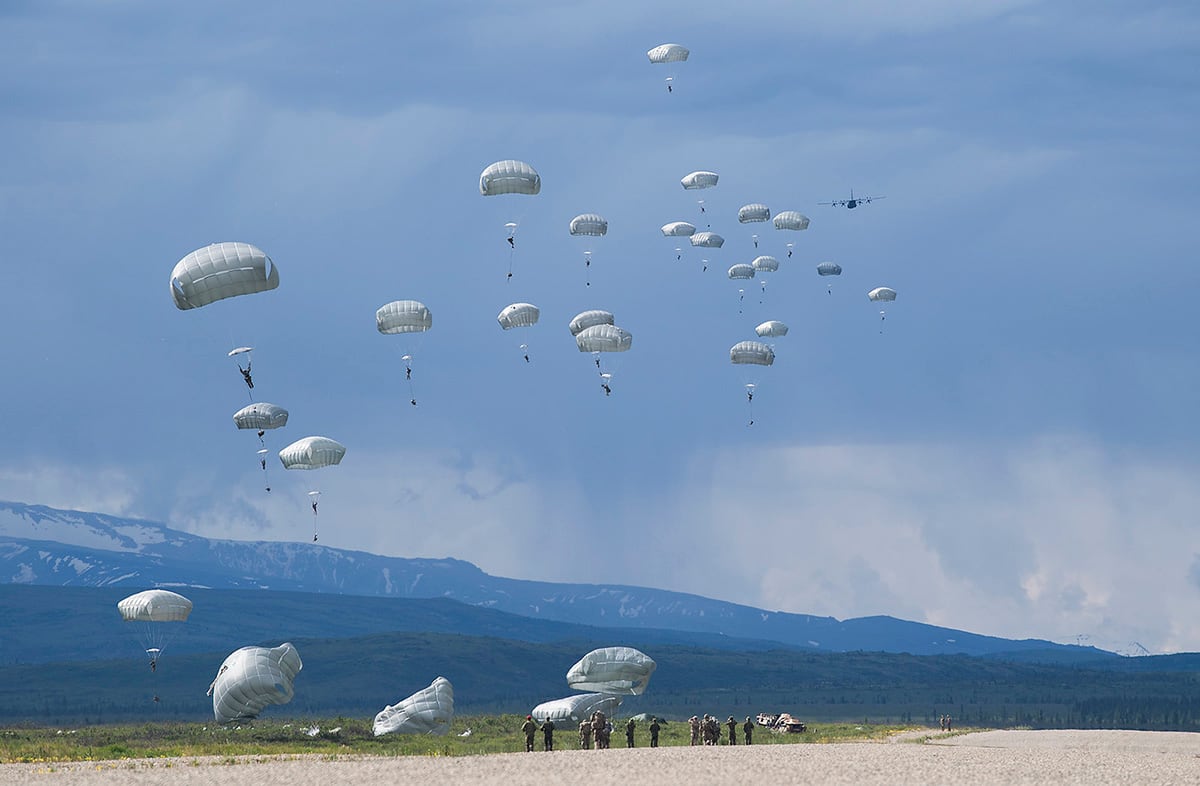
(587, 266)
(412, 396)
(262, 462)
(313, 498)
(750, 402)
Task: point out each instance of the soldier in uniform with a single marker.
(629, 729)
(548, 735)
(732, 724)
(748, 729)
(654, 729)
(600, 729)
(585, 735)
(694, 727)
(529, 727)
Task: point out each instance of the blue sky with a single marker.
(1014, 454)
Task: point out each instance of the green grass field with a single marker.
(489, 734)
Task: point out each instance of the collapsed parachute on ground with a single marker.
(668, 53)
(829, 269)
(219, 271)
(765, 264)
(613, 670)
(699, 179)
(428, 711)
(251, 678)
(741, 271)
(790, 219)
(678, 229)
(753, 353)
(261, 416)
(518, 315)
(604, 338)
(312, 453)
(885, 294)
(403, 316)
(772, 328)
(707, 240)
(589, 224)
(575, 708)
(509, 177)
(586, 319)
(753, 213)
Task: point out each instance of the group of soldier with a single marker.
(707, 730)
(597, 727)
(946, 723)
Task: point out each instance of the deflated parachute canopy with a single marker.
(754, 353)
(668, 53)
(604, 338)
(576, 708)
(219, 271)
(678, 229)
(428, 711)
(509, 177)
(613, 670)
(699, 179)
(589, 224)
(518, 315)
(253, 677)
(586, 319)
(155, 606)
(312, 453)
(261, 416)
(753, 213)
(403, 316)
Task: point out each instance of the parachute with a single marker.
(772, 328)
(829, 269)
(699, 179)
(312, 453)
(678, 229)
(509, 177)
(790, 219)
(519, 315)
(751, 353)
(707, 240)
(668, 53)
(575, 708)
(261, 416)
(754, 212)
(151, 611)
(741, 271)
(604, 338)
(251, 678)
(589, 224)
(428, 711)
(765, 264)
(219, 271)
(586, 319)
(886, 294)
(612, 670)
(405, 316)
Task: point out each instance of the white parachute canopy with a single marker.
(518, 315)
(707, 240)
(772, 328)
(403, 316)
(882, 293)
(155, 605)
(604, 338)
(790, 219)
(261, 416)
(613, 670)
(589, 224)
(741, 271)
(829, 269)
(219, 271)
(312, 453)
(753, 353)
(428, 711)
(668, 53)
(699, 179)
(509, 177)
(753, 212)
(253, 677)
(586, 319)
(765, 264)
(576, 708)
(678, 229)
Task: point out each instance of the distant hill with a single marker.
(49, 547)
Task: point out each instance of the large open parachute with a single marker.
(612, 670)
(154, 613)
(678, 229)
(586, 319)
(751, 353)
(261, 416)
(707, 240)
(753, 213)
(509, 177)
(604, 338)
(699, 179)
(790, 219)
(312, 453)
(741, 271)
(519, 315)
(428, 711)
(591, 224)
(829, 269)
(219, 271)
(885, 294)
(668, 53)
(253, 677)
(765, 264)
(574, 709)
(403, 316)
(772, 328)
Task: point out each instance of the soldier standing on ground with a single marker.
(529, 727)
(585, 735)
(694, 725)
(748, 729)
(948, 723)
(548, 735)
(732, 724)
(654, 729)
(629, 728)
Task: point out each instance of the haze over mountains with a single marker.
(46, 546)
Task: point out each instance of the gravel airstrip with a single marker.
(1000, 757)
